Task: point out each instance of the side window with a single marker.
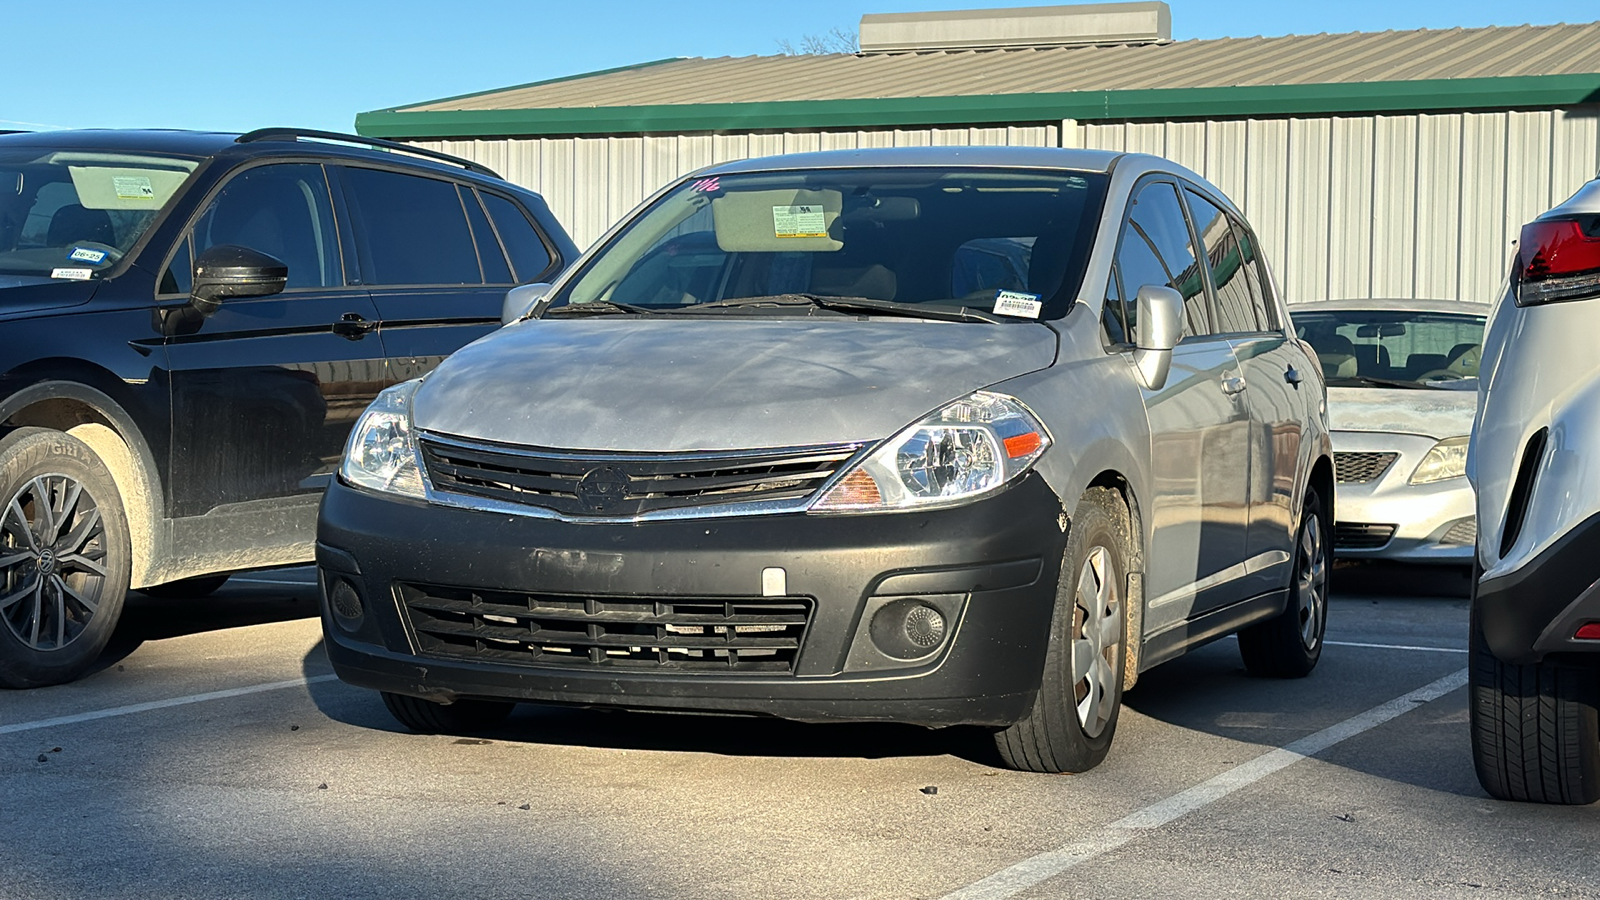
(409, 229)
(1235, 307)
(1261, 294)
(282, 210)
(1155, 249)
(1114, 315)
(495, 268)
(529, 256)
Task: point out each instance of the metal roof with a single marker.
(1228, 62)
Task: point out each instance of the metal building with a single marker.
(1393, 164)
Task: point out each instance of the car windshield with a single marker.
(71, 214)
(1395, 348)
(979, 245)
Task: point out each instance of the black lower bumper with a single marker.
(991, 567)
(1536, 611)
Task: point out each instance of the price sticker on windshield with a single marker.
(799, 222)
(1017, 303)
(133, 187)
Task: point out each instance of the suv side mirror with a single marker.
(229, 270)
(1160, 327)
(520, 300)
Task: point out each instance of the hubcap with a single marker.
(1096, 636)
(52, 561)
(1311, 582)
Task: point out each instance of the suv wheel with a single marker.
(1080, 693)
(1535, 729)
(64, 558)
(427, 717)
(1289, 645)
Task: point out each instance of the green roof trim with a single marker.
(557, 80)
(1522, 91)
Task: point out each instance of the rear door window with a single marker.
(495, 268)
(530, 258)
(1255, 276)
(409, 229)
(1235, 307)
(1155, 249)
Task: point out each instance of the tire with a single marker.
(427, 717)
(64, 558)
(1535, 729)
(1289, 644)
(188, 588)
(1074, 718)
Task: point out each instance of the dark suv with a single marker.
(189, 325)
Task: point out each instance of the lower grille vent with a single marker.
(1360, 535)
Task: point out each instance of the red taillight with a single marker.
(1557, 259)
(1589, 632)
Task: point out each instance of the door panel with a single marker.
(1276, 413)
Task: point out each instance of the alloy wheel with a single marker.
(52, 561)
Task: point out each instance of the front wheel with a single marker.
(64, 558)
(1080, 693)
(427, 717)
(1289, 645)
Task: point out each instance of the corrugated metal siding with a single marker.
(1423, 205)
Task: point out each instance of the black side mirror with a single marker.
(229, 270)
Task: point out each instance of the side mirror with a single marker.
(228, 270)
(1159, 329)
(520, 300)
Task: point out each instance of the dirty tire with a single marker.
(64, 558)
(1289, 645)
(427, 717)
(188, 588)
(1535, 729)
(1074, 718)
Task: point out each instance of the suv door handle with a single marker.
(353, 326)
(1233, 385)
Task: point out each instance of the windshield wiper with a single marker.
(1369, 381)
(598, 308)
(850, 304)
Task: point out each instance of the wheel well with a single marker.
(1134, 589)
(1322, 482)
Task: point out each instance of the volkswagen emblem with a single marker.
(603, 489)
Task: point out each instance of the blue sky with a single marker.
(241, 65)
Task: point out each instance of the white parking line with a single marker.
(1015, 879)
(1395, 647)
(161, 704)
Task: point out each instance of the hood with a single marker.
(1431, 413)
(31, 293)
(672, 385)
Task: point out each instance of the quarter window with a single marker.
(280, 210)
(529, 256)
(1236, 308)
(1155, 249)
(409, 229)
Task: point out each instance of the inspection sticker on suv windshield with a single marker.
(799, 222)
(72, 274)
(88, 255)
(133, 187)
(1017, 303)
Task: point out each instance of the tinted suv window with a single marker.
(1155, 249)
(282, 210)
(529, 257)
(1236, 308)
(409, 229)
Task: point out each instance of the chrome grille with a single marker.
(628, 484)
(1360, 468)
(713, 634)
(1361, 535)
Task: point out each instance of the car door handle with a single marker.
(1293, 376)
(353, 326)
(1233, 385)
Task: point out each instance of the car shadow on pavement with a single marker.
(237, 604)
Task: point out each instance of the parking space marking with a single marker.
(161, 704)
(1013, 880)
(1395, 647)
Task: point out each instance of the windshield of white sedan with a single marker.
(1394, 348)
(71, 214)
(971, 244)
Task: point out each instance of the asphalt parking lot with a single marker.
(215, 756)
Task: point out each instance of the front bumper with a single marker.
(1534, 611)
(990, 566)
(1390, 518)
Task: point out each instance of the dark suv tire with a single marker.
(64, 557)
(1535, 729)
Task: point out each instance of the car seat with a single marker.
(1337, 354)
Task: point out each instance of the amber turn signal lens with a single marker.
(1022, 445)
(857, 489)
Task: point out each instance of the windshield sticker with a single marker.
(1017, 303)
(707, 185)
(133, 187)
(799, 222)
(88, 255)
(72, 274)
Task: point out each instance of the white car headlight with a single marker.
(381, 454)
(1447, 459)
(968, 449)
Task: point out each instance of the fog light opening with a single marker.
(345, 603)
(909, 629)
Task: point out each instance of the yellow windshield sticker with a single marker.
(799, 222)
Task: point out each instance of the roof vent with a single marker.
(1030, 26)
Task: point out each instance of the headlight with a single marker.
(1447, 459)
(970, 448)
(381, 454)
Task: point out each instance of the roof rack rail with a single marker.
(293, 134)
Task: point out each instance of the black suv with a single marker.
(189, 325)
